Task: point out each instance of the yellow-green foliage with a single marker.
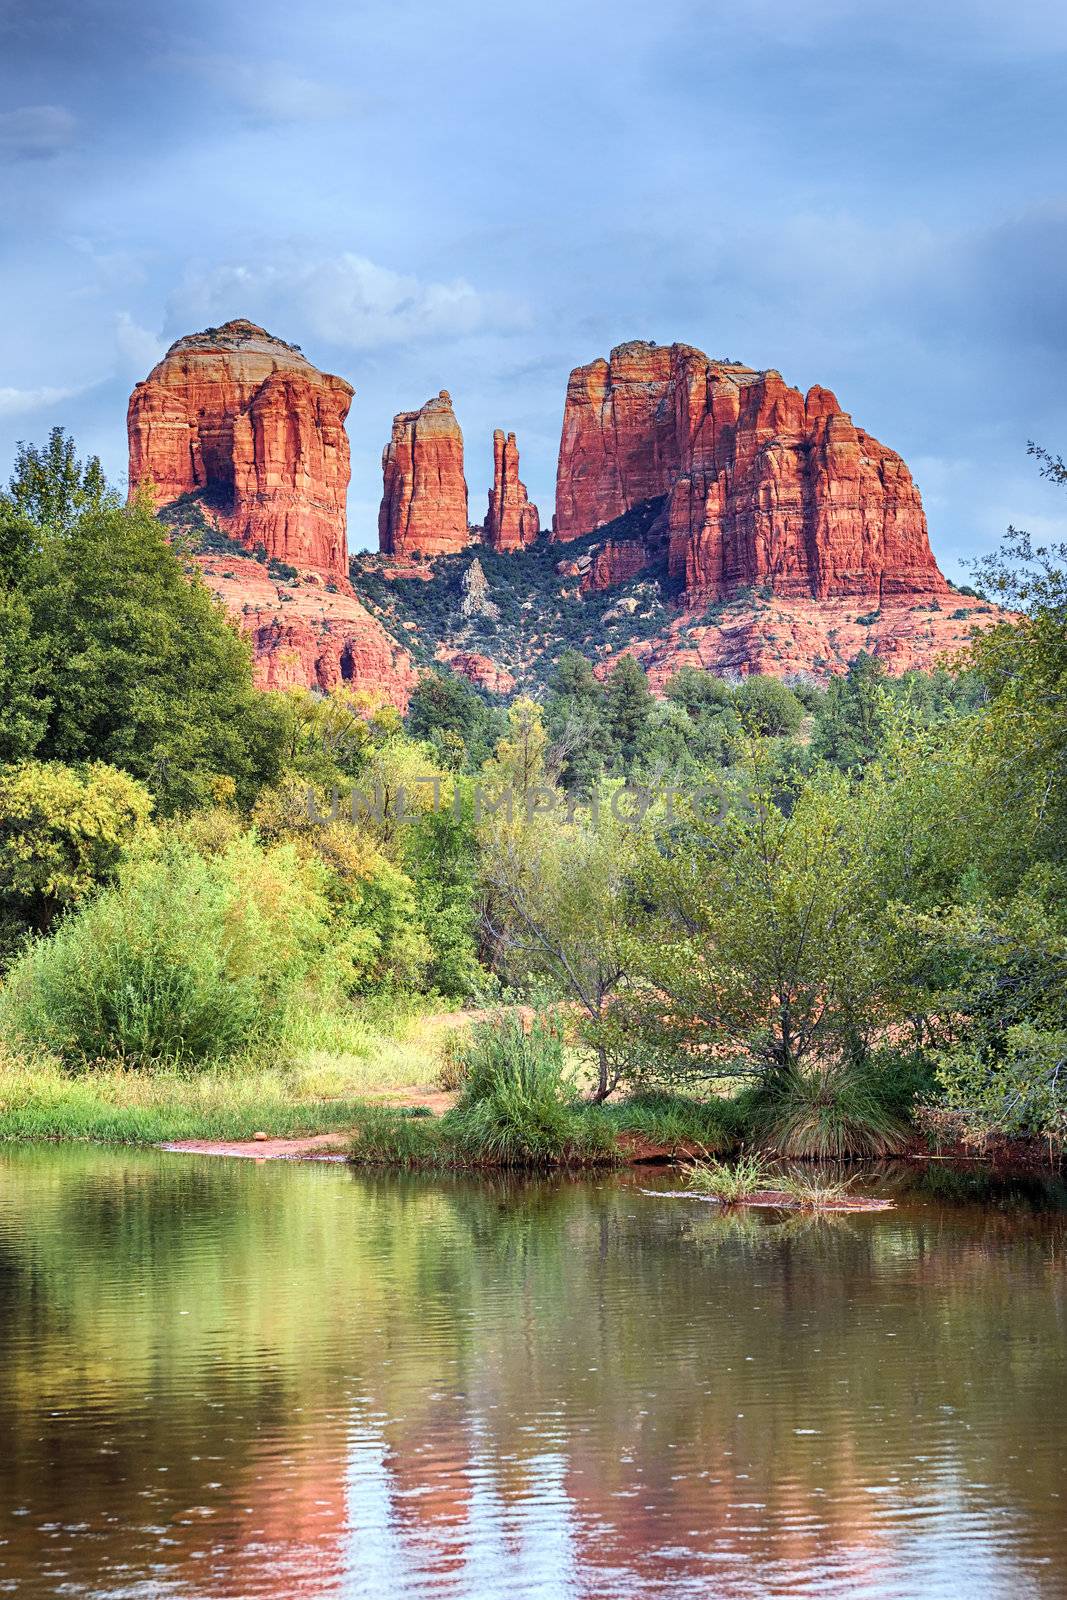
(64, 831)
(183, 961)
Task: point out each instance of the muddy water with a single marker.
(219, 1379)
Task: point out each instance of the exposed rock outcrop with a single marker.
(475, 600)
(481, 670)
(246, 422)
(424, 498)
(304, 633)
(512, 521)
(789, 637)
(766, 488)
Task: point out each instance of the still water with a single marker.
(223, 1379)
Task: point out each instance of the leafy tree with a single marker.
(757, 950)
(63, 832)
(852, 724)
(698, 693)
(558, 907)
(51, 489)
(446, 711)
(122, 655)
(576, 716)
(768, 707)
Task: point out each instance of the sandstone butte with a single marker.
(246, 422)
(512, 520)
(424, 498)
(762, 485)
(798, 536)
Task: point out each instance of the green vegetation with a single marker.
(733, 1183)
(752, 913)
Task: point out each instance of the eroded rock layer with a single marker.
(307, 634)
(766, 487)
(424, 498)
(248, 424)
(512, 521)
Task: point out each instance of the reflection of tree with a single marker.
(524, 1360)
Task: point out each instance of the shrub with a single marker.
(63, 831)
(184, 961)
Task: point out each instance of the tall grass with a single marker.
(39, 1099)
(829, 1112)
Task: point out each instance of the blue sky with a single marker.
(871, 196)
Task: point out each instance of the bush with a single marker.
(184, 961)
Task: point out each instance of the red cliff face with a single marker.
(766, 488)
(424, 499)
(512, 521)
(246, 421)
(306, 633)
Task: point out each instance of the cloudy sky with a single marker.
(867, 194)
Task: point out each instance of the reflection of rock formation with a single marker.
(424, 498)
(247, 422)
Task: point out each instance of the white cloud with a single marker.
(35, 133)
(345, 299)
(13, 402)
(139, 348)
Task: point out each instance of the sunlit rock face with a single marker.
(246, 422)
(512, 520)
(424, 492)
(764, 486)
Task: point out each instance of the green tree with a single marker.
(576, 715)
(768, 707)
(130, 660)
(50, 488)
(852, 724)
(558, 906)
(757, 950)
(63, 832)
(629, 713)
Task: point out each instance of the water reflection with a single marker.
(222, 1380)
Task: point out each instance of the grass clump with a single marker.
(731, 1185)
(518, 1107)
(810, 1193)
(829, 1112)
(674, 1120)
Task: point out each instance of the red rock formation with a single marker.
(305, 633)
(479, 669)
(424, 499)
(247, 421)
(765, 487)
(787, 637)
(615, 561)
(512, 520)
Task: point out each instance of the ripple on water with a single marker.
(219, 1381)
